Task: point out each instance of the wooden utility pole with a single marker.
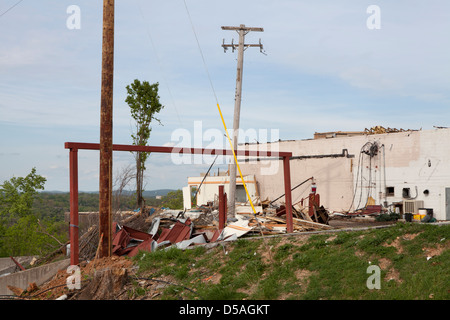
(242, 30)
(106, 132)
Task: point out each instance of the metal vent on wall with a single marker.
(412, 206)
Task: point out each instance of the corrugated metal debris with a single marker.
(167, 229)
(161, 228)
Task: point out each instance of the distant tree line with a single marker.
(54, 205)
(33, 222)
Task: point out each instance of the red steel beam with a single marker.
(161, 149)
(75, 146)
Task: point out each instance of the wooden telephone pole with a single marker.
(106, 132)
(242, 30)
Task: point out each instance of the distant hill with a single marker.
(154, 193)
(150, 193)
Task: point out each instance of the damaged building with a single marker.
(406, 171)
(204, 189)
(394, 170)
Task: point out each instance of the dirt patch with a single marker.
(214, 279)
(303, 276)
(249, 290)
(384, 263)
(391, 274)
(436, 251)
(115, 270)
(396, 244)
(394, 275)
(359, 253)
(410, 236)
(267, 255)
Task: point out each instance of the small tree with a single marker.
(17, 195)
(143, 100)
(21, 232)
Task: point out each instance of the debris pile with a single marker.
(164, 228)
(156, 228)
(380, 130)
(272, 219)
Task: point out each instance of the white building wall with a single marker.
(209, 190)
(416, 160)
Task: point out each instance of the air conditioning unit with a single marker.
(412, 206)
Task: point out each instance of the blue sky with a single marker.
(325, 70)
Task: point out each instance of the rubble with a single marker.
(167, 228)
(163, 228)
(154, 228)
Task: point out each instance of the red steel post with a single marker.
(288, 194)
(73, 164)
(222, 203)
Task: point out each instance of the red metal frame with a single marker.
(17, 263)
(222, 212)
(73, 167)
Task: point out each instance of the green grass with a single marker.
(326, 266)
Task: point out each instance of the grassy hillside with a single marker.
(413, 260)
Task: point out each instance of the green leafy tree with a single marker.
(173, 200)
(17, 195)
(21, 233)
(143, 100)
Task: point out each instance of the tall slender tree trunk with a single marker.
(138, 180)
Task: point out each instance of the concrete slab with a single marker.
(39, 275)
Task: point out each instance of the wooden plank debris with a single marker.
(302, 223)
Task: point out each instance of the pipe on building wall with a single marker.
(344, 154)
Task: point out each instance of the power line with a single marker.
(218, 107)
(10, 8)
(158, 61)
(201, 52)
